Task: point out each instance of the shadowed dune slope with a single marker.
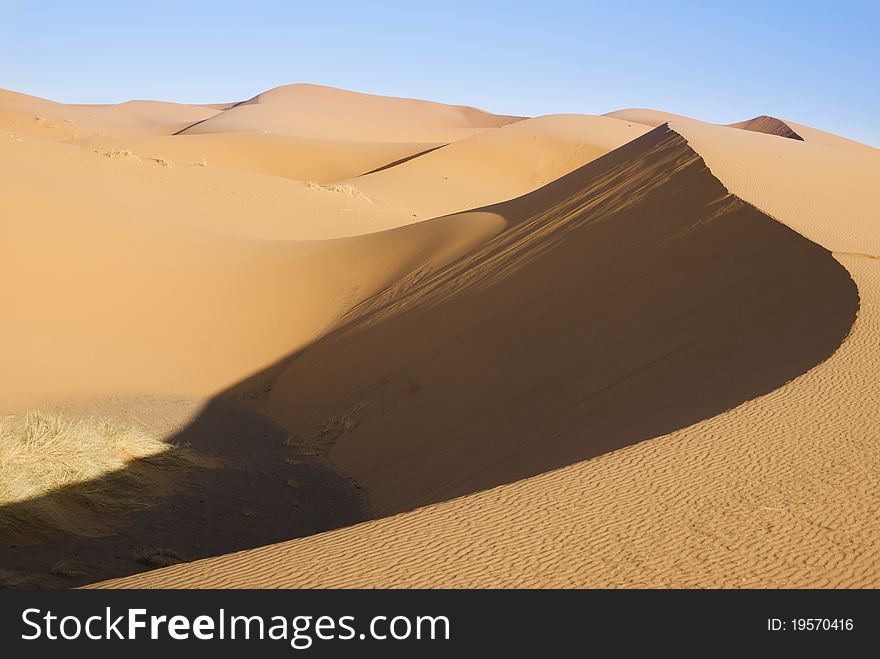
(325, 112)
(497, 165)
(630, 298)
(771, 493)
(780, 492)
(301, 158)
(768, 125)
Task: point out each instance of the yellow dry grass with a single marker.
(345, 188)
(52, 468)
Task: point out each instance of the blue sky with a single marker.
(811, 62)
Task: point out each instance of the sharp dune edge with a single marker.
(637, 266)
(624, 350)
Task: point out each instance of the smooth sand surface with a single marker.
(822, 193)
(30, 115)
(646, 116)
(299, 158)
(325, 112)
(817, 136)
(625, 350)
(136, 277)
(761, 124)
(786, 128)
(496, 165)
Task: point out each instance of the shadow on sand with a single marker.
(259, 490)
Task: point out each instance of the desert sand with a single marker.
(630, 350)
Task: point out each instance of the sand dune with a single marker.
(329, 113)
(821, 193)
(817, 136)
(204, 264)
(776, 492)
(760, 124)
(768, 125)
(616, 286)
(497, 165)
(779, 492)
(785, 128)
(39, 117)
(301, 158)
(170, 229)
(645, 116)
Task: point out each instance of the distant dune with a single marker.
(645, 116)
(629, 350)
(29, 115)
(497, 165)
(325, 112)
(769, 125)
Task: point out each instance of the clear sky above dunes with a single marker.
(811, 62)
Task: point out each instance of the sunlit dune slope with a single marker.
(645, 116)
(39, 117)
(301, 158)
(817, 136)
(497, 165)
(824, 194)
(785, 128)
(325, 112)
(130, 276)
(188, 195)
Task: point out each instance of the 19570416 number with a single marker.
(821, 624)
(810, 624)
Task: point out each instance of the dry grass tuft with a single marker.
(163, 162)
(336, 426)
(159, 557)
(117, 153)
(66, 570)
(12, 579)
(346, 189)
(52, 468)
